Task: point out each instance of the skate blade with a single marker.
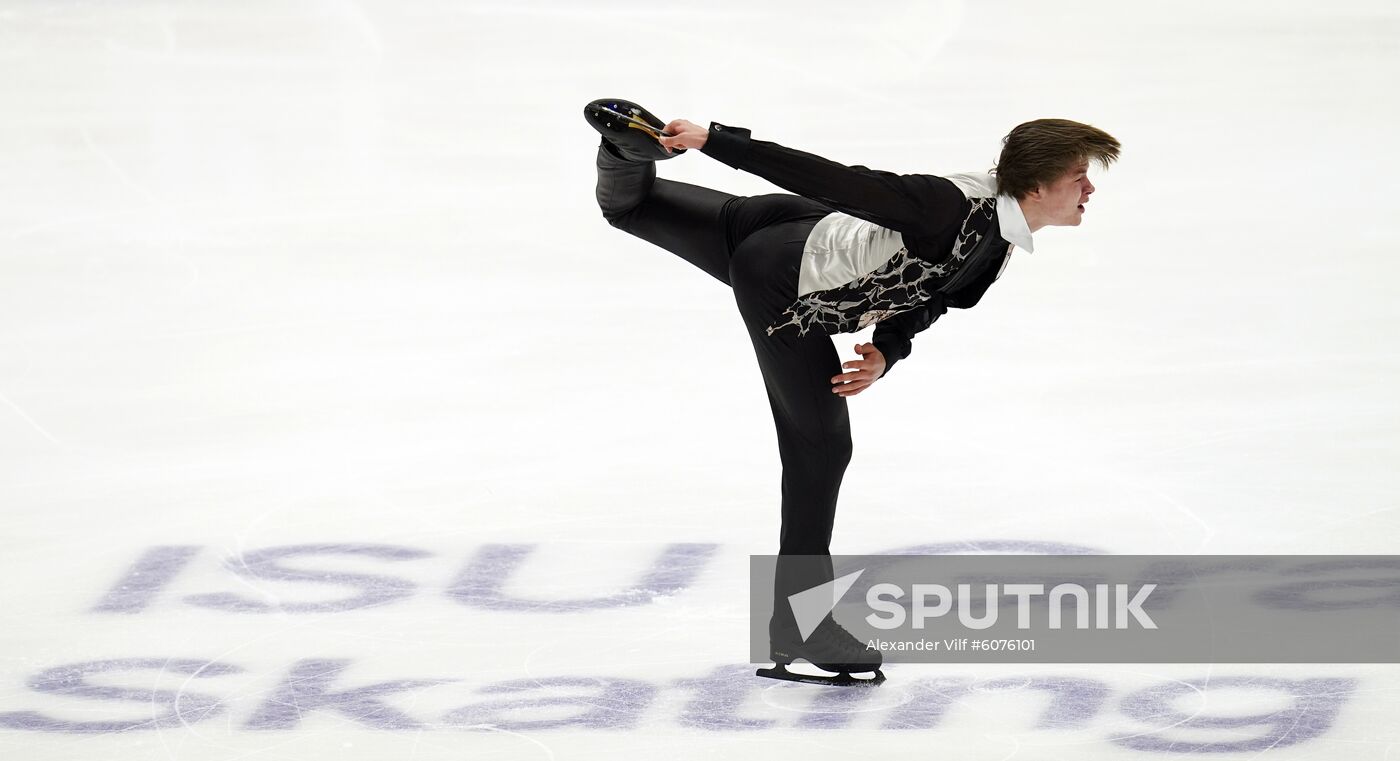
(840, 680)
(635, 123)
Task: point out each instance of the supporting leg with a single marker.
(813, 424)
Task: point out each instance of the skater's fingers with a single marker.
(851, 389)
(863, 370)
(852, 386)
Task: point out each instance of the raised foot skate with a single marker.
(842, 679)
(632, 130)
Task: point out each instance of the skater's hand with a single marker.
(684, 134)
(868, 369)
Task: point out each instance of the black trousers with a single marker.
(754, 245)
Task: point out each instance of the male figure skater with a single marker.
(847, 247)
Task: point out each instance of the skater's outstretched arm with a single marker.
(920, 204)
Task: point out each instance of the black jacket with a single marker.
(953, 249)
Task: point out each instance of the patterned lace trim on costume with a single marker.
(904, 282)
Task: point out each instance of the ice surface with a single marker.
(335, 422)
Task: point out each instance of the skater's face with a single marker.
(1062, 201)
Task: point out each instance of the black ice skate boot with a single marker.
(622, 183)
(632, 130)
(829, 648)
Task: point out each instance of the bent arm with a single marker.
(894, 336)
(908, 203)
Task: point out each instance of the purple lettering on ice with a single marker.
(718, 696)
(890, 557)
(1315, 705)
(1300, 595)
(265, 564)
(307, 687)
(1176, 575)
(138, 588)
(1074, 701)
(604, 703)
(482, 582)
(715, 703)
(834, 709)
(994, 547)
(71, 680)
(928, 701)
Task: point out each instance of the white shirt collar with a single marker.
(1014, 229)
(1013, 224)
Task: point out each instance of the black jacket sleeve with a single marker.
(894, 336)
(920, 204)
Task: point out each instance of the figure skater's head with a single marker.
(1044, 165)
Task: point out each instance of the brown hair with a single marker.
(1040, 152)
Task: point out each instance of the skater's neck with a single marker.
(1034, 219)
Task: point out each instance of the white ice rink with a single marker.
(336, 423)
